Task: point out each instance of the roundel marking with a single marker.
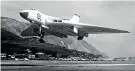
(38, 16)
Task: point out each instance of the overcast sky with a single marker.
(119, 15)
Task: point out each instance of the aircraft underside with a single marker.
(60, 32)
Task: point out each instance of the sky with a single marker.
(112, 14)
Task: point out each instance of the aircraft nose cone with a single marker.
(24, 14)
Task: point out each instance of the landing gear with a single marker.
(41, 34)
(41, 37)
(80, 38)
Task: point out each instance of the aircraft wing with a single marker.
(97, 29)
(90, 29)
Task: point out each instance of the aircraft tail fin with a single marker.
(75, 18)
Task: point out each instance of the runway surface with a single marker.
(35, 65)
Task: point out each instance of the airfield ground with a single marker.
(34, 65)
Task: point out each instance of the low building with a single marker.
(3, 56)
(40, 56)
(121, 59)
(20, 56)
(131, 58)
(31, 56)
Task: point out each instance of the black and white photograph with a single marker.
(67, 35)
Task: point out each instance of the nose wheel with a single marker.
(80, 37)
(41, 40)
(41, 34)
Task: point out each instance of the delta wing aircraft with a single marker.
(63, 27)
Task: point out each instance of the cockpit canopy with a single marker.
(33, 9)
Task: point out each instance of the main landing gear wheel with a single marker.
(80, 38)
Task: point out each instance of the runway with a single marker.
(67, 66)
